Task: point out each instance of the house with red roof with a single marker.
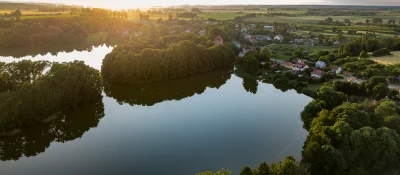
(287, 65)
(218, 40)
(354, 80)
(317, 73)
(299, 67)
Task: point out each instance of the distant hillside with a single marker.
(27, 6)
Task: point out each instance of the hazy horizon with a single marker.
(123, 4)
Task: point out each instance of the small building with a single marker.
(300, 60)
(336, 43)
(218, 40)
(299, 67)
(320, 64)
(252, 40)
(298, 41)
(336, 69)
(267, 27)
(278, 37)
(263, 38)
(317, 73)
(354, 80)
(287, 65)
(202, 32)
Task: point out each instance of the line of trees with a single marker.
(30, 94)
(50, 31)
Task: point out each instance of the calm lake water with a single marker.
(179, 127)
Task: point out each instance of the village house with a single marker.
(202, 32)
(287, 65)
(336, 43)
(299, 67)
(300, 60)
(317, 73)
(292, 29)
(336, 69)
(243, 52)
(218, 40)
(298, 41)
(353, 80)
(266, 27)
(320, 64)
(263, 38)
(278, 37)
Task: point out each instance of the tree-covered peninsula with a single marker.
(33, 91)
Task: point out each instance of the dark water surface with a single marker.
(179, 127)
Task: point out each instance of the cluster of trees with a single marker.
(16, 13)
(355, 137)
(287, 167)
(144, 17)
(181, 59)
(29, 95)
(381, 52)
(366, 68)
(50, 31)
(367, 44)
(186, 15)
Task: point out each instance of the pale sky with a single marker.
(124, 4)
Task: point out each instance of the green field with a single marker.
(284, 51)
(315, 19)
(391, 59)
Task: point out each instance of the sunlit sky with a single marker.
(124, 4)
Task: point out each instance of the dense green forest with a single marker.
(31, 92)
(177, 89)
(350, 132)
(185, 58)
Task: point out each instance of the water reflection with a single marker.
(36, 140)
(177, 89)
(250, 85)
(53, 50)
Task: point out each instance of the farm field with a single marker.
(391, 59)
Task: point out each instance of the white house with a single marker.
(278, 37)
(320, 64)
(336, 69)
(336, 43)
(299, 67)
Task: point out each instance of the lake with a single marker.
(181, 127)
